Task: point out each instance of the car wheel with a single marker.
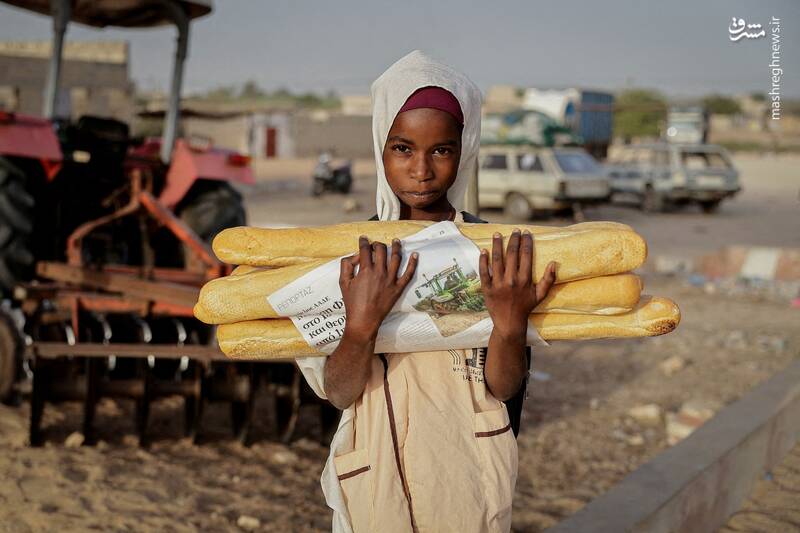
(517, 206)
(710, 207)
(652, 201)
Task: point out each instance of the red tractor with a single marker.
(104, 245)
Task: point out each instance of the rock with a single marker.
(677, 430)
(699, 409)
(563, 506)
(696, 280)
(620, 435)
(248, 523)
(672, 265)
(306, 444)
(691, 416)
(74, 440)
(284, 457)
(351, 205)
(767, 343)
(672, 365)
(736, 340)
(649, 415)
(538, 375)
(635, 440)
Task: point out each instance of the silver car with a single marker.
(528, 181)
(657, 176)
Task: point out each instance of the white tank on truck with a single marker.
(587, 113)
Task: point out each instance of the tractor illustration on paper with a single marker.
(450, 291)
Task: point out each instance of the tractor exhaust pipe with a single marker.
(60, 10)
(171, 119)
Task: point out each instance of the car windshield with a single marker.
(577, 163)
(702, 160)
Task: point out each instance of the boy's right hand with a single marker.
(370, 294)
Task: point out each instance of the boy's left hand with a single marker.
(508, 287)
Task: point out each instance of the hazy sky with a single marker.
(680, 47)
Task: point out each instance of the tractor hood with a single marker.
(123, 13)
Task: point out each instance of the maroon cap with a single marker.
(434, 98)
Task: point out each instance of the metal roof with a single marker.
(121, 13)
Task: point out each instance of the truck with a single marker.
(588, 114)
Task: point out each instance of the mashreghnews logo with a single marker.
(739, 30)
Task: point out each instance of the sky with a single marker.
(679, 47)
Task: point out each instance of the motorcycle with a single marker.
(333, 179)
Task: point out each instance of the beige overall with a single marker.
(432, 449)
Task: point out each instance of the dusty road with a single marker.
(578, 437)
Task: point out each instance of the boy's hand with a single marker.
(508, 288)
(370, 294)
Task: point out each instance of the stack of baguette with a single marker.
(595, 296)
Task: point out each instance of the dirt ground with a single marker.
(577, 436)
(774, 504)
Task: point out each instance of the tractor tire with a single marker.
(211, 207)
(16, 226)
(11, 346)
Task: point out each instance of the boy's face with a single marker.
(421, 156)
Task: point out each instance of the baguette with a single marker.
(243, 296)
(583, 250)
(279, 339)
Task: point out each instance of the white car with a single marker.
(659, 175)
(528, 181)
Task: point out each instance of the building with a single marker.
(502, 99)
(94, 79)
(266, 130)
(356, 104)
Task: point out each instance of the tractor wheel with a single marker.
(16, 226)
(11, 346)
(211, 207)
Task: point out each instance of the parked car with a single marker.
(657, 176)
(527, 180)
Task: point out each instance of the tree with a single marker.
(282, 93)
(639, 113)
(721, 105)
(250, 89)
(224, 92)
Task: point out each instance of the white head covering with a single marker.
(391, 90)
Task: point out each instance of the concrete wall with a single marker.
(695, 486)
(99, 87)
(345, 136)
(231, 133)
(299, 134)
